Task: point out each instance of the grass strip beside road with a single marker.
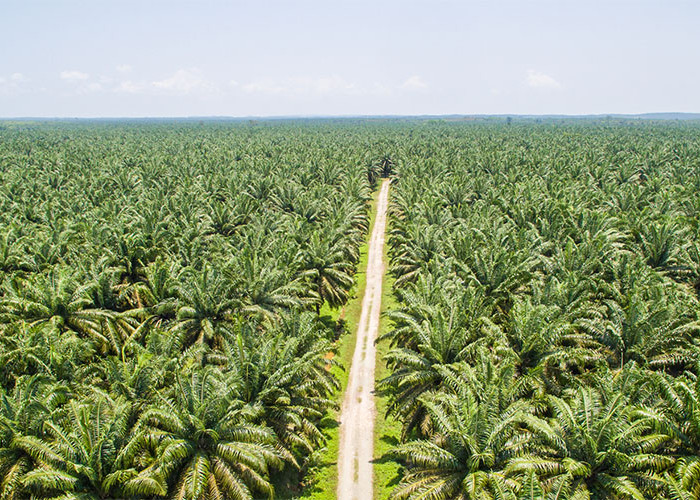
(323, 478)
(387, 430)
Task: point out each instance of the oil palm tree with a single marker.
(57, 301)
(646, 331)
(442, 337)
(34, 350)
(601, 445)
(12, 254)
(206, 445)
(413, 250)
(475, 431)
(285, 378)
(207, 311)
(22, 414)
(79, 455)
(659, 243)
(265, 289)
(156, 297)
(679, 417)
(325, 267)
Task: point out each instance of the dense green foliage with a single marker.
(547, 338)
(159, 296)
(161, 288)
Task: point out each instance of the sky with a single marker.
(154, 58)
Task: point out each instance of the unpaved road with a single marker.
(357, 415)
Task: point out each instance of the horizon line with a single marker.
(655, 114)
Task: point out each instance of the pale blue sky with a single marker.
(98, 58)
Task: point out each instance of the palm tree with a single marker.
(349, 224)
(22, 415)
(679, 417)
(434, 339)
(413, 250)
(501, 274)
(475, 431)
(551, 352)
(284, 376)
(692, 266)
(207, 312)
(647, 331)
(374, 171)
(325, 266)
(206, 445)
(225, 218)
(11, 251)
(106, 295)
(560, 489)
(265, 289)
(156, 296)
(386, 165)
(601, 445)
(35, 350)
(659, 243)
(132, 252)
(81, 454)
(56, 301)
(135, 379)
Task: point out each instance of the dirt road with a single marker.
(357, 414)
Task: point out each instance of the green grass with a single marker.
(323, 478)
(387, 431)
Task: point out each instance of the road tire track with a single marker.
(356, 452)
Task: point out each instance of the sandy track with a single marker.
(357, 415)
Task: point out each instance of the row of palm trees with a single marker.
(546, 342)
(161, 293)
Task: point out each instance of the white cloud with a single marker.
(14, 84)
(324, 85)
(82, 83)
(129, 87)
(184, 81)
(124, 68)
(381, 89)
(539, 80)
(265, 86)
(74, 76)
(414, 83)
